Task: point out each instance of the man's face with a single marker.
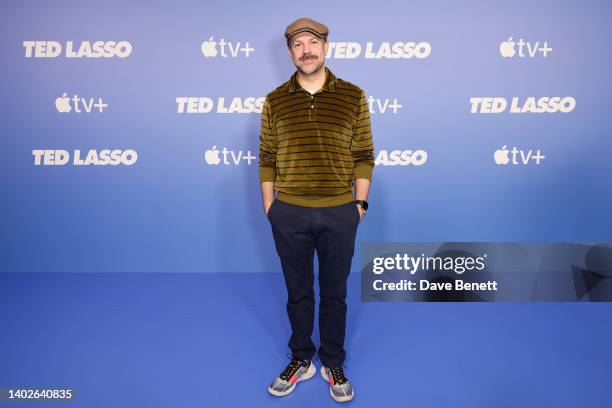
(308, 53)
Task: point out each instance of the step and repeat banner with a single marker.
(130, 130)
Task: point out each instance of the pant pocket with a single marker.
(356, 210)
(271, 207)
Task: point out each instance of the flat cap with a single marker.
(305, 25)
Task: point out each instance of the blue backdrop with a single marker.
(172, 211)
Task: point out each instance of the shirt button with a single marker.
(311, 106)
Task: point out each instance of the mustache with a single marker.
(308, 56)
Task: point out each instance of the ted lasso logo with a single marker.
(63, 104)
(205, 104)
(84, 49)
(90, 158)
(519, 157)
(508, 49)
(230, 157)
(400, 158)
(531, 104)
(383, 50)
(225, 49)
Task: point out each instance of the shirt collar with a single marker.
(329, 85)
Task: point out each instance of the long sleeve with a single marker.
(267, 146)
(362, 147)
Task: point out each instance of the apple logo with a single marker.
(212, 156)
(208, 48)
(62, 104)
(506, 48)
(501, 156)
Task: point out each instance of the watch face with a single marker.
(363, 204)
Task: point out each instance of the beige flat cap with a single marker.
(305, 25)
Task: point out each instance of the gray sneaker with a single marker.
(339, 386)
(297, 370)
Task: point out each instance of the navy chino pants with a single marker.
(299, 231)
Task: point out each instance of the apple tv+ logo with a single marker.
(212, 48)
(63, 104)
(508, 48)
(502, 156)
(213, 158)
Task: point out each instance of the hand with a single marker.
(361, 212)
(267, 207)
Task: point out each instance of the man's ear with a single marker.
(326, 46)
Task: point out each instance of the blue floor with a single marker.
(217, 340)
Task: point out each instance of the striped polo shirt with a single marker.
(313, 146)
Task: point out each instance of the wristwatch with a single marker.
(363, 204)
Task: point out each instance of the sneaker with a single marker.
(339, 386)
(297, 370)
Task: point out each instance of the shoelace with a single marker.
(293, 366)
(338, 375)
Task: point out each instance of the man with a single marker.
(315, 145)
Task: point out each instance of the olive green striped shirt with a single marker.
(313, 146)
